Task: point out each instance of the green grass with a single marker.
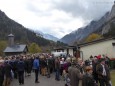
(113, 77)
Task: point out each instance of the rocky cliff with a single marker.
(101, 26)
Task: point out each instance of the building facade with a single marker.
(98, 47)
(68, 50)
(15, 49)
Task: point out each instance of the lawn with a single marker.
(113, 77)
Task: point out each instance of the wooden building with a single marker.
(15, 49)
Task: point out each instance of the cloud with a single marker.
(86, 9)
(55, 17)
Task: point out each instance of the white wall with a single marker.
(114, 51)
(105, 48)
(71, 52)
(65, 50)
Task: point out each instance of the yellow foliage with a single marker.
(3, 45)
(93, 37)
(34, 48)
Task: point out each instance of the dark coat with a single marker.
(88, 80)
(1, 74)
(57, 64)
(20, 66)
(95, 75)
(43, 63)
(74, 75)
(15, 64)
(7, 70)
(29, 66)
(49, 63)
(99, 70)
(1, 70)
(26, 65)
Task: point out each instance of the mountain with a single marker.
(46, 36)
(109, 21)
(83, 32)
(22, 34)
(50, 37)
(101, 26)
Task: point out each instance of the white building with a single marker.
(98, 47)
(69, 50)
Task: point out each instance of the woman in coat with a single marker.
(74, 74)
(88, 78)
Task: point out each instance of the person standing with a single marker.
(74, 74)
(36, 68)
(7, 72)
(15, 67)
(88, 79)
(103, 73)
(26, 66)
(48, 61)
(95, 75)
(43, 66)
(20, 69)
(57, 69)
(29, 66)
(67, 79)
(1, 72)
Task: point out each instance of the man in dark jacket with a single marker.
(57, 69)
(103, 73)
(20, 68)
(94, 64)
(29, 65)
(15, 68)
(7, 73)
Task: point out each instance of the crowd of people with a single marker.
(74, 71)
(20, 66)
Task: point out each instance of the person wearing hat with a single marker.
(103, 73)
(74, 74)
(87, 79)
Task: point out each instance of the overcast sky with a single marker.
(55, 17)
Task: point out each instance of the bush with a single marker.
(112, 64)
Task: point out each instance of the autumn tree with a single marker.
(3, 45)
(34, 48)
(93, 37)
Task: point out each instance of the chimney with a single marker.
(10, 39)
